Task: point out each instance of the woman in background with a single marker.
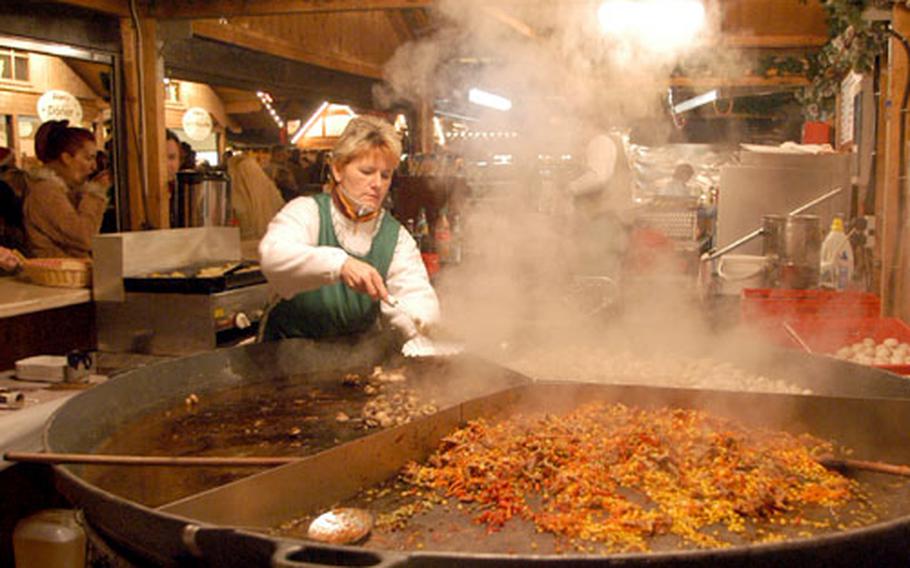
(254, 197)
(66, 197)
(13, 186)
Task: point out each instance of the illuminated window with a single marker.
(171, 91)
(328, 121)
(13, 65)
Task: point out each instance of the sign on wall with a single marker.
(60, 105)
(197, 123)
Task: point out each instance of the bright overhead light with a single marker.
(438, 133)
(696, 101)
(483, 98)
(313, 118)
(401, 123)
(658, 24)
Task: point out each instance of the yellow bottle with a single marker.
(49, 538)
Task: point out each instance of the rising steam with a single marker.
(518, 290)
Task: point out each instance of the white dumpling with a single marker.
(844, 353)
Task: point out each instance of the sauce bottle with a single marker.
(443, 237)
(422, 232)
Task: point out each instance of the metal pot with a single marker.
(202, 199)
(793, 246)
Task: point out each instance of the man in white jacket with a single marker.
(602, 207)
(333, 257)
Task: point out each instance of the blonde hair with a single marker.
(362, 135)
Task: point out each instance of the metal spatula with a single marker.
(421, 345)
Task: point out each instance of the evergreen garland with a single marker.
(854, 45)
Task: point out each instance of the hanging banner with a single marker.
(197, 123)
(60, 105)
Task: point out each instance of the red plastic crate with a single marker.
(790, 305)
(774, 333)
(824, 336)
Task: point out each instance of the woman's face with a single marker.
(366, 179)
(172, 153)
(79, 166)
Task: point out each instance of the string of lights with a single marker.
(471, 134)
(267, 100)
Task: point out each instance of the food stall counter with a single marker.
(18, 297)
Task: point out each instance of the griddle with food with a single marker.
(565, 469)
(203, 278)
(236, 523)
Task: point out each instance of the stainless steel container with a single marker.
(773, 246)
(202, 199)
(802, 248)
(793, 247)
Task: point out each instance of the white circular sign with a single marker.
(60, 105)
(197, 123)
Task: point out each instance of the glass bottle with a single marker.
(422, 232)
(456, 252)
(443, 236)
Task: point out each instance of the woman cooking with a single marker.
(332, 257)
(65, 202)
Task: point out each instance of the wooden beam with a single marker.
(204, 61)
(400, 26)
(116, 7)
(424, 127)
(131, 120)
(772, 41)
(242, 107)
(282, 48)
(892, 232)
(150, 210)
(228, 8)
(745, 81)
(511, 21)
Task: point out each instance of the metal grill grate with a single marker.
(681, 225)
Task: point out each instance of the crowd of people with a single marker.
(297, 173)
(54, 209)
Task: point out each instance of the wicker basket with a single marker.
(61, 272)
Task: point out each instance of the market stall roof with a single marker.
(306, 51)
(358, 37)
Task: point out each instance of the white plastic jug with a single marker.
(738, 271)
(836, 267)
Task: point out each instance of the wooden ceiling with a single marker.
(338, 48)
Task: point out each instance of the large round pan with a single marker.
(93, 417)
(89, 419)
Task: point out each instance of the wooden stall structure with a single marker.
(309, 51)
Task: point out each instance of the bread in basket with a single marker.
(61, 272)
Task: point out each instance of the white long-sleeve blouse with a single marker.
(294, 263)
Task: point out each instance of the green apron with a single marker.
(335, 309)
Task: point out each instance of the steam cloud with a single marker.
(516, 292)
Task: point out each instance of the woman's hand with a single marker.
(362, 277)
(8, 260)
(102, 178)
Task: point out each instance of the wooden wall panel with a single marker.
(52, 73)
(889, 215)
(363, 36)
(773, 17)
